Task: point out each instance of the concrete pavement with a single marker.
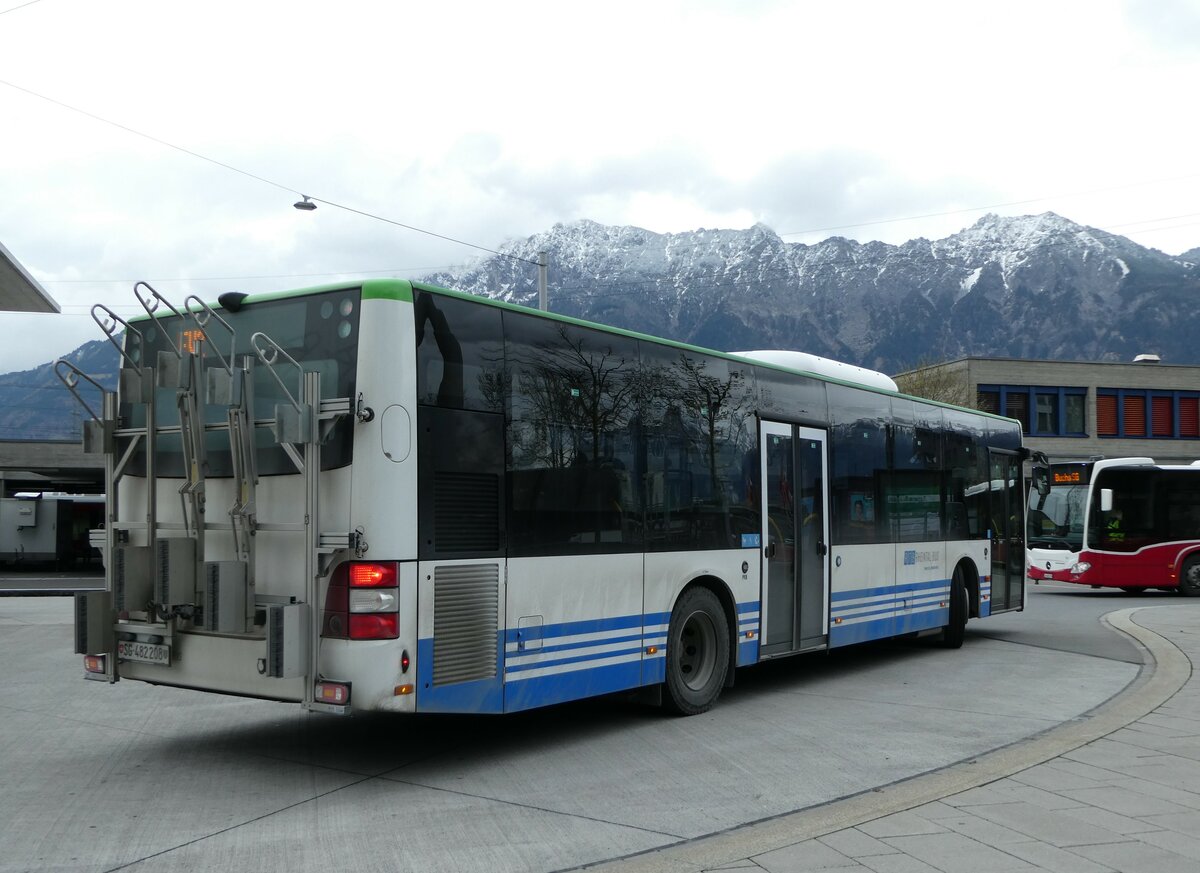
(1115, 790)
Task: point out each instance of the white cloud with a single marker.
(487, 122)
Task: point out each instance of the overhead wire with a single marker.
(290, 189)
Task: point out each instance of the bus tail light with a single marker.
(337, 693)
(94, 663)
(362, 602)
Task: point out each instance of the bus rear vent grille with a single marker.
(466, 617)
(466, 512)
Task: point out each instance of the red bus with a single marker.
(1126, 523)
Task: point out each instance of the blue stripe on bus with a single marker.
(483, 695)
(561, 687)
(513, 691)
(578, 644)
(747, 653)
(573, 628)
(886, 590)
(578, 659)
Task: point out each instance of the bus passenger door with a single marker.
(1008, 532)
(795, 539)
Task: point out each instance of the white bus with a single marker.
(1126, 523)
(390, 496)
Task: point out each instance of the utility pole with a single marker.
(543, 263)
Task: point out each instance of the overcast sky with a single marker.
(488, 122)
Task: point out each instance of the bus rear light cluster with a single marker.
(337, 693)
(94, 663)
(362, 602)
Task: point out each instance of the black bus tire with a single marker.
(697, 652)
(955, 630)
(1189, 578)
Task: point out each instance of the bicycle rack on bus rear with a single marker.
(168, 577)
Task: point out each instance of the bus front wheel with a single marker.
(1189, 579)
(955, 630)
(697, 652)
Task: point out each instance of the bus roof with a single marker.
(402, 290)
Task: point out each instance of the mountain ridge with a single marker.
(1036, 287)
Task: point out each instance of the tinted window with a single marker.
(790, 398)
(460, 353)
(913, 496)
(967, 491)
(697, 415)
(319, 331)
(859, 450)
(574, 463)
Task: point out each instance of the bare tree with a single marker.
(937, 381)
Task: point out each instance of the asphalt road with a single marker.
(97, 777)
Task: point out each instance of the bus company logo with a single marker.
(912, 557)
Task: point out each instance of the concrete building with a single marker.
(1073, 410)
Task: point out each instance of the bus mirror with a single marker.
(1106, 500)
(1041, 480)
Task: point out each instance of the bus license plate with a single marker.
(147, 653)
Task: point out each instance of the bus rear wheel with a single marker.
(955, 630)
(697, 652)
(1189, 579)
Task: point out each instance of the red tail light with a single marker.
(378, 626)
(361, 602)
(372, 575)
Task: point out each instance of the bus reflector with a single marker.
(333, 692)
(374, 626)
(651, 650)
(94, 663)
(404, 661)
(403, 689)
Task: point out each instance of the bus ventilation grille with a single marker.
(466, 615)
(466, 512)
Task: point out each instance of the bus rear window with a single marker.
(319, 331)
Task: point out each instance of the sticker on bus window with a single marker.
(751, 541)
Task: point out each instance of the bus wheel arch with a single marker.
(701, 654)
(970, 574)
(1189, 576)
(961, 605)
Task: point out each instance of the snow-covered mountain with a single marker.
(1034, 286)
(1030, 286)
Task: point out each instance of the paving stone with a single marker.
(1055, 860)
(1124, 801)
(1137, 857)
(1011, 791)
(1174, 841)
(955, 852)
(1111, 821)
(978, 828)
(804, 856)
(853, 843)
(897, 863)
(900, 824)
(1051, 826)
(1049, 777)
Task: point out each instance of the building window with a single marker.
(1047, 413)
(1042, 411)
(1106, 415)
(1075, 406)
(1189, 417)
(1163, 415)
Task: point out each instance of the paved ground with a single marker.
(133, 777)
(1118, 790)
